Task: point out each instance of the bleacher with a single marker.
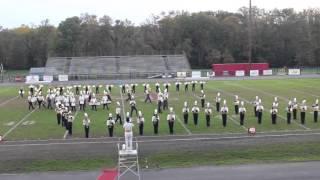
(108, 65)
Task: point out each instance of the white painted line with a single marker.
(301, 92)
(122, 102)
(165, 140)
(185, 127)
(15, 126)
(9, 100)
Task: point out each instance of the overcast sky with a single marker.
(13, 13)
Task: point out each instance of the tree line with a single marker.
(280, 37)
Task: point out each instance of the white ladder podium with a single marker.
(128, 162)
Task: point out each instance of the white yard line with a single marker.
(9, 100)
(301, 92)
(273, 95)
(16, 125)
(166, 140)
(123, 110)
(185, 127)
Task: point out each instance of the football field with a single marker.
(18, 123)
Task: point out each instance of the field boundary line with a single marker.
(166, 140)
(8, 100)
(16, 125)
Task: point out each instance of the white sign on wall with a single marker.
(240, 73)
(48, 78)
(181, 74)
(267, 72)
(63, 78)
(211, 74)
(196, 74)
(254, 72)
(293, 72)
(32, 79)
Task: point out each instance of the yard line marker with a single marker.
(185, 127)
(166, 140)
(9, 100)
(273, 95)
(301, 92)
(15, 126)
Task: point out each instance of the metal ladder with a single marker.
(128, 162)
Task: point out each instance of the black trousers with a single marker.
(105, 106)
(218, 106)
(118, 117)
(39, 104)
(195, 118)
(171, 124)
(94, 107)
(30, 105)
(110, 130)
(86, 131)
(224, 120)
(49, 105)
(294, 111)
(201, 86)
(133, 108)
(157, 89)
(236, 109)
(141, 129)
(70, 128)
(63, 121)
(155, 127)
(315, 116)
(259, 114)
(177, 88)
(208, 119)
(241, 119)
(303, 117)
(274, 118)
(123, 90)
(73, 108)
(288, 118)
(147, 98)
(159, 106)
(185, 118)
(202, 103)
(82, 107)
(58, 118)
(186, 88)
(165, 104)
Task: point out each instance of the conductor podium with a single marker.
(128, 163)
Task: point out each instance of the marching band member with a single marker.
(110, 125)
(73, 102)
(58, 112)
(195, 110)
(145, 87)
(30, 101)
(185, 111)
(160, 101)
(64, 117)
(202, 84)
(133, 106)
(155, 121)
(236, 104)
(105, 101)
(224, 113)
(77, 89)
(140, 121)
(177, 86)
(129, 95)
(118, 113)
(128, 134)
(171, 117)
(218, 100)
(259, 110)
(275, 103)
(109, 87)
(31, 90)
(165, 99)
(294, 108)
(148, 98)
(303, 109)
(208, 112)
(255, 104)
(93, 102)
(193, 85)
(123, 88)
(315, 111)
(274, 113)
(70, 121)
(128, 117)
(186, 86)
(133, 88)
(82, 102)
(40, 100)
(202, 98)
(166, 86)
(157, 87)
(21, 92)
(86, 124)
(289, 112)
(242, 111)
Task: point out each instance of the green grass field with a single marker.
(18, 123)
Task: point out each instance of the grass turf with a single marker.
(44, 121)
